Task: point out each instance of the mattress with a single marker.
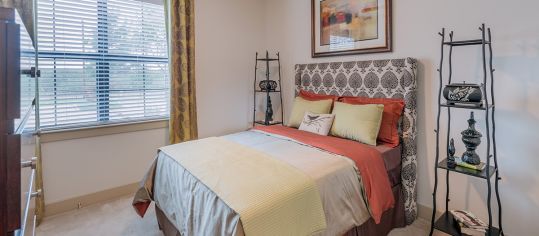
(392, 161)
(345, 205)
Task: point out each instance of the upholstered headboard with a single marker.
(394, 78)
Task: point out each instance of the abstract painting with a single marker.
(344, 27)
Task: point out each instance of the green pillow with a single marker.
(301, 106)
(357, 122)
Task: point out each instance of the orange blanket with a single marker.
(368, 160)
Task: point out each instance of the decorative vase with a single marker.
(269, 112)
(267, 85)
(471, 138)
(463, 92)
(451, 155)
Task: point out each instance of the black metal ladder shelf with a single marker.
(267, 120)
(445, 222)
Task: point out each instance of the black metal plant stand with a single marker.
(268, 87)
(445, 222)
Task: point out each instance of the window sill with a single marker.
(49, 136)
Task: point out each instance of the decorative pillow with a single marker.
(393, 109)
(301, 106)
(317, 123)
(357, 122)
(315, 97)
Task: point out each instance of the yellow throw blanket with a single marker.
(271, 197)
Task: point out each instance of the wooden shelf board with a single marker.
(463, 170)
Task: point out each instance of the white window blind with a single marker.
(101, 61)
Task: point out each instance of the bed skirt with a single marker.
(391, 219)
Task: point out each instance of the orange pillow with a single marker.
(316, 97)
(393, 109)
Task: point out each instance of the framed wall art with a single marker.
(346, 27)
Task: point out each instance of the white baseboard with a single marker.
(425, 212)
(90, 199)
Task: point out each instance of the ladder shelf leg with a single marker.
(437, 136)
(497, 177)
(487, 125)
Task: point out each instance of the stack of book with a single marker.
(468, 224)
(462, 163)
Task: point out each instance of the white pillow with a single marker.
(317, 123)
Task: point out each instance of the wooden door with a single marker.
(10, 162)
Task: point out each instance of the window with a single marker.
(101, 62)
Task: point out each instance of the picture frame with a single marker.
(349, 27)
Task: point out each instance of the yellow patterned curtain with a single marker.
(181, 38)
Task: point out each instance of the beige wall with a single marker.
(229, 32)
(516, 47)
(227, 35)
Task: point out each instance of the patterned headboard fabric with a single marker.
(395, 78)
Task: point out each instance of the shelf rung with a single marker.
(446, 223)
(270, 123)
(261, 91)
(267, 59)
(466, 171)
(466, 42)
(467, 106)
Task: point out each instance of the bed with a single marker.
(329, 179)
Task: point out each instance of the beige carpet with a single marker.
(119, 218)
